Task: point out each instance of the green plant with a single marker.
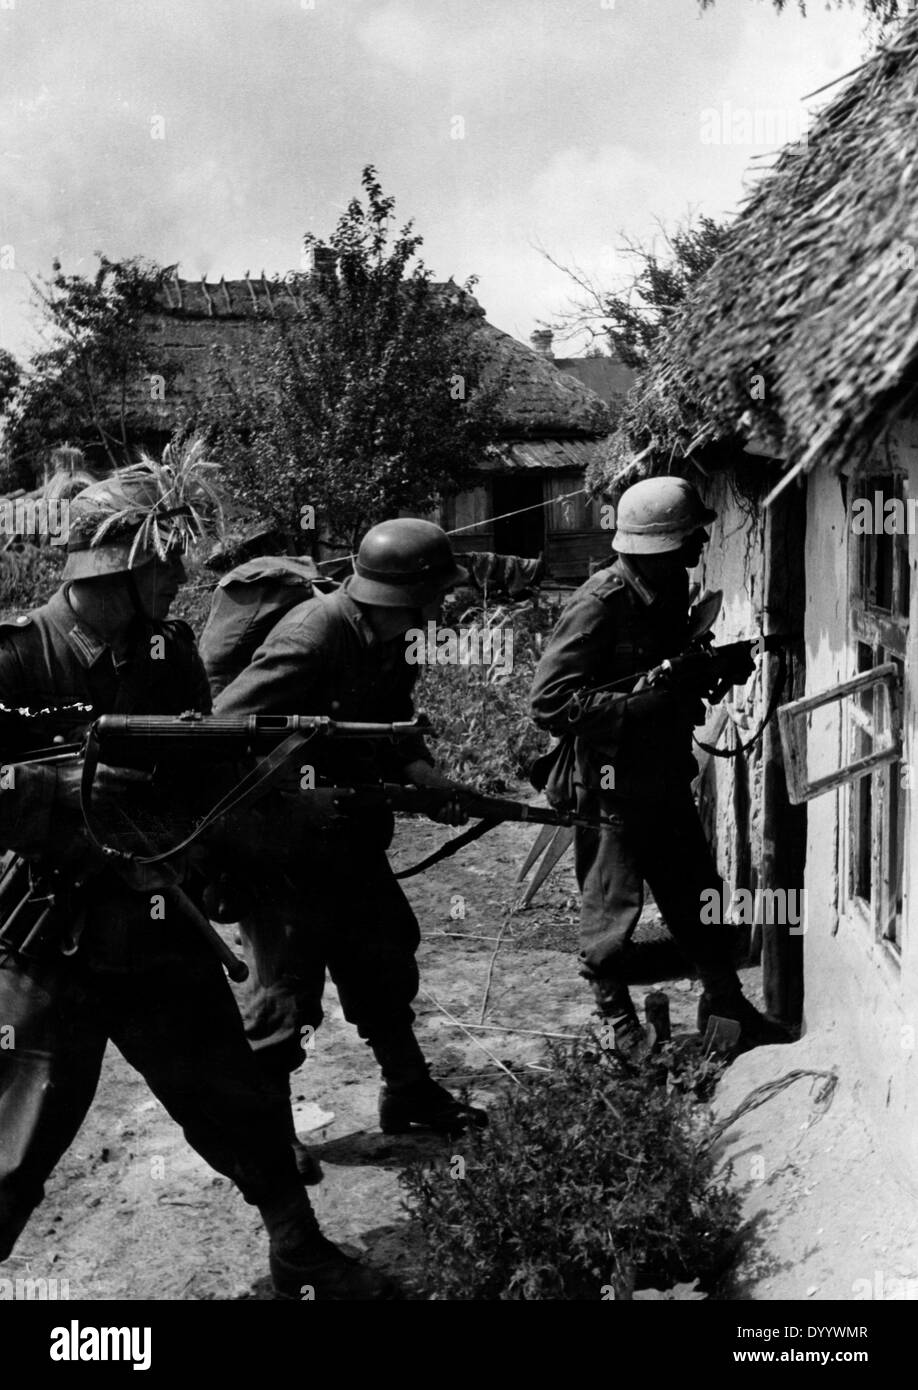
(592, 1179)
(78, 388)
(369, 398)
(28, 577)
(481, 712)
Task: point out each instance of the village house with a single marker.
(526, 498)
(787, 392)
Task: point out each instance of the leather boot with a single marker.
(305, 1265)
(614, 1005)
(723, 997)
(429, 1105)
(409, 1095)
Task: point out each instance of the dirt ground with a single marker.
(132, 1212)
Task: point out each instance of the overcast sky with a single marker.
(215, 132)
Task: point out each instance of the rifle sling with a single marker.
(451, 847)
(245, 791)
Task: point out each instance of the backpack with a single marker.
(245, 606)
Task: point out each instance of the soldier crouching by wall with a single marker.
(110, 969)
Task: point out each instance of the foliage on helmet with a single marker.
(166, 504)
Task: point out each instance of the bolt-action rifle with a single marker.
(703, 669)
(710, 671)
(128, 736)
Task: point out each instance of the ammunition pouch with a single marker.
(555, 774)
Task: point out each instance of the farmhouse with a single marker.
(527, 496)
(813, 296)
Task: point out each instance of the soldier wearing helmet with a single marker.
(344, 655)
(111, 968)
(628, 757)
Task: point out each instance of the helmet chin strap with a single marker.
(140, 613)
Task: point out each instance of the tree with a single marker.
(77, 389)
(632, 319)
(10, 375)
(884, 11)
(372, 396)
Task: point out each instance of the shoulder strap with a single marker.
(633, 579)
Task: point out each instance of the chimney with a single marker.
(321, 262)
(541, 340)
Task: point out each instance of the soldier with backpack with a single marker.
(339, 906)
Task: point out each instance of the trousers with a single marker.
(177, 1023)
(342, 911)
(660, 842)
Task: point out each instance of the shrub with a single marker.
(28, 577)
(192, 602)
(480, 713)
(591, 1179)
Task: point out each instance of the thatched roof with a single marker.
(813, 305)
(540, 400)
(206, 330)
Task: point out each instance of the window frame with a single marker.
(800, 787)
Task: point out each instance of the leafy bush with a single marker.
(592, 1179)
(481, 713)
(28, 577)
(192, 602)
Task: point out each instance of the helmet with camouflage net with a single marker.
(146, 511)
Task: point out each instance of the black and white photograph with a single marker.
(458, 519)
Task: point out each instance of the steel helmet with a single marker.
(404, 563)
(140, 513)
(656, 515)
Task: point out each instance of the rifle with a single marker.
(711, 671)
(213, 736)
(126, 736)
(429, 801)
(704, 669)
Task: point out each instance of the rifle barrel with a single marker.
(207, 732)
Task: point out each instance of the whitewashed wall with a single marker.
(734, 562)
(855, 991)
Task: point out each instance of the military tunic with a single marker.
(633, 771)
(151, 986)
(342, 908)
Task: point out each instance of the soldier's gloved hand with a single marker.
(740, 668)
(420, 774)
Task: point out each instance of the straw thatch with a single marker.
(804, 333)
(206, 332)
